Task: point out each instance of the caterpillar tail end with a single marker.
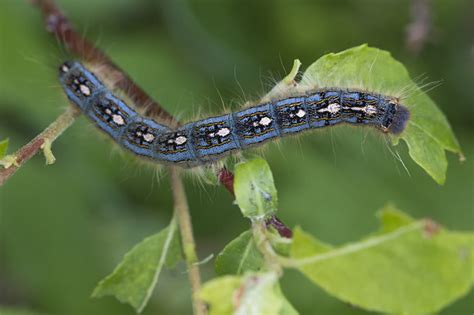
(399, 121)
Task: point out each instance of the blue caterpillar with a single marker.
(208, 140)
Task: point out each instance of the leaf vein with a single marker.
(372, 242)
(164, 253)
(244, 256)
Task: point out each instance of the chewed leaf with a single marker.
(254, 188)
(239, 256)
(134, 279)
(410, 269)
(428, 133)
(3, 148)
(254, 293)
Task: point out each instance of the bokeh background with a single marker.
(64, 227)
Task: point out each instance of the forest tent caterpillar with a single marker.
(208, 140)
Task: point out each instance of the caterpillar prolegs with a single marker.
(208, 140)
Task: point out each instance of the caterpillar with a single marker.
(208, 140)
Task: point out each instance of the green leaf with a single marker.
(134, 279)
(255, 190)
(239, 256)
(254, 293)
(428, 133)
(413, 269)
(3, 147)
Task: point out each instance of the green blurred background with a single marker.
(64, 227)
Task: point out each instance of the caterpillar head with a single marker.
(396, 117)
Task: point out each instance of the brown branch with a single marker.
(57, 24)
(41, 141)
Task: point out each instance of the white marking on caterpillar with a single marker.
(223, 132)
(117, 118)
(265, 121)
(370, 109)
(85, 90)
(148, 137)
(301, 113)
(64, 68)
(180, 140)
(332, 108)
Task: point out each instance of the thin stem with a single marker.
(181, 209)
(42, 141)
(259, 231)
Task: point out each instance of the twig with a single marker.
(420, 26)
(42, 141)
(59, 25)
(189, 247)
